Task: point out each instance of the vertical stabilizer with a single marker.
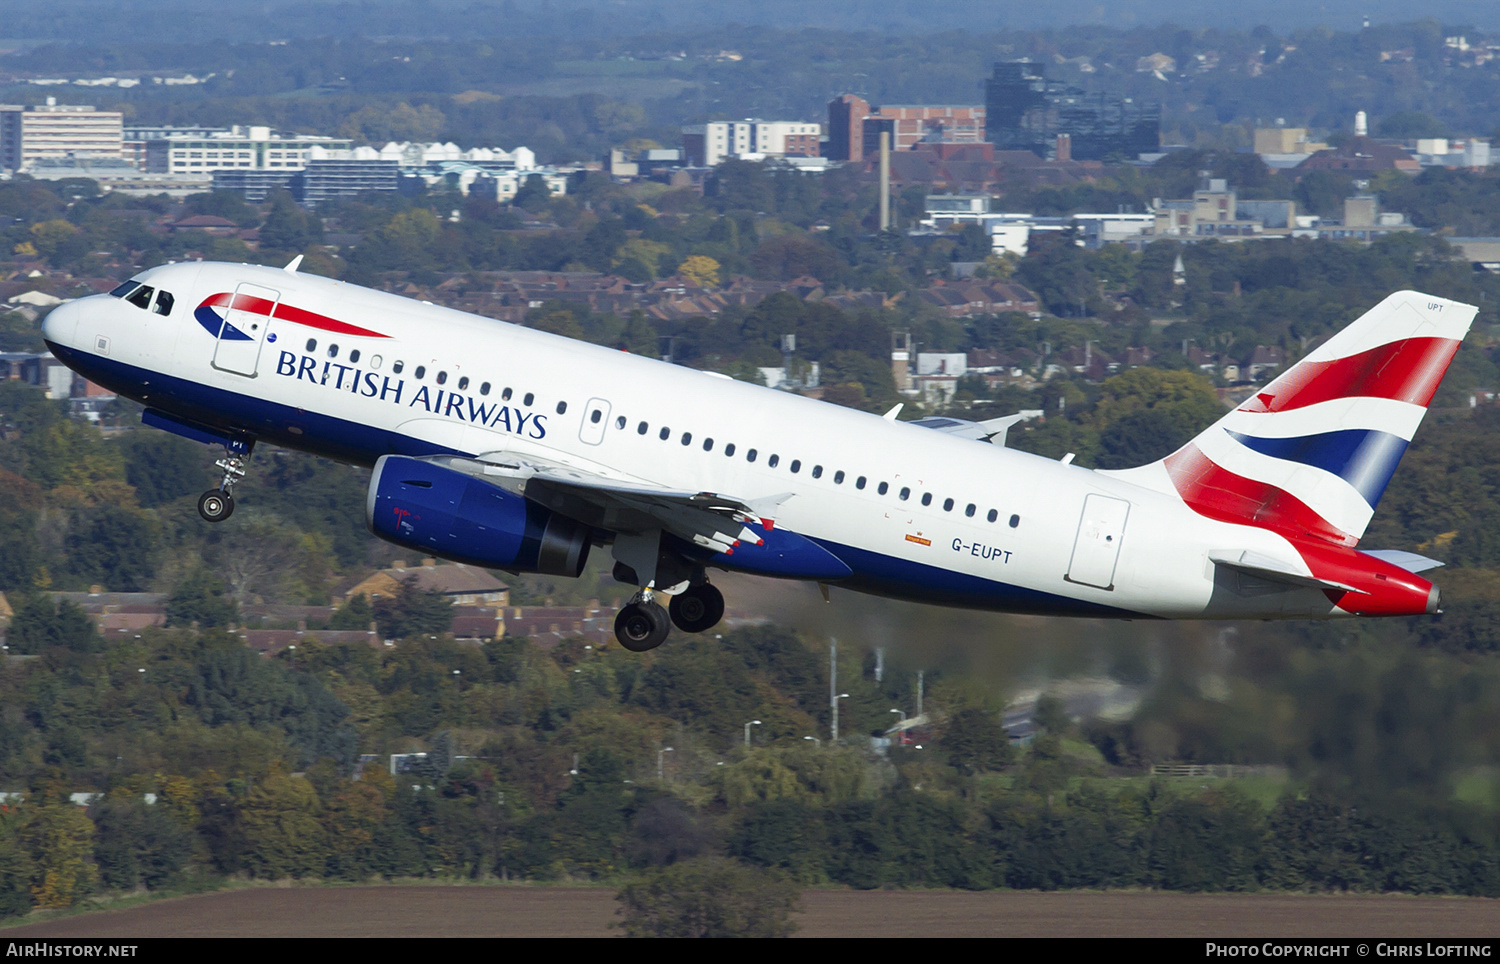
(1310, 454)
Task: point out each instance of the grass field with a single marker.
(518, 911)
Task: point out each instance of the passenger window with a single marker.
(927, 498)
(969, 510)
(838, 477)
(442, 378)
(354, 356)
(421, 370)
(333, 351)
(142, 297)
(312, 346)
(729, 450)
(374, 361)
(620, 422)
(641, 428)
(484, 388)
(163, 304)
(750, 456)
(947, 505)
(563, 407)
(1015, 520)
(774, 461)
(708, 445)
(687, 438)
(883, 488)
(397, 366)
(596, 416)
(122, 289)
(463, 383)
(664, 433)
(817, 471)
(905, 493)
(796, 466)
(505, 395)
(530, 397)
(860, 484)
(993, 515)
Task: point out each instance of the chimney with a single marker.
(885, 181)
(1065, 147)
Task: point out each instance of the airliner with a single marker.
(505, 447)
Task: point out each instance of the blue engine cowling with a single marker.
(426, 506)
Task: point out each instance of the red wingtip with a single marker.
(760, 542)
(728, 552)
(768, 524)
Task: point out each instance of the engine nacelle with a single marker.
(426, 506)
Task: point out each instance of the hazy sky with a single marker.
(105, 21)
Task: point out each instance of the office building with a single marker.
(235, 148)
(708, 145)
(1026, 111)
(52, 131)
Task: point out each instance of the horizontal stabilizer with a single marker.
(1409, 561)
(1263, 566)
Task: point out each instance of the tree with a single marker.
(709, 897)
(59, 838)
(288, 227)
(200, 599)
(137, 844)
(413, 612)
(701, 270)
(40, 625)
(533, 194)
(976, 742)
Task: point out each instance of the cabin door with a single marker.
(243, 330)
(1097, 546)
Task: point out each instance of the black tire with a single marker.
(215, 505)
(642, 626)
(697, 609)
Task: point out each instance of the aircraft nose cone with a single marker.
(60, 327)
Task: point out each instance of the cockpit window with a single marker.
(163, 304)
(142, 297)
(123, 288)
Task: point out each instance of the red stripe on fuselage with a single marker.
(1213, 491)
(285, 312)
(1406, 371)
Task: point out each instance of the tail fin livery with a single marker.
(1311, 453)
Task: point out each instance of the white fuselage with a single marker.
(394, 375)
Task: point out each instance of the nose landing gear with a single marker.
(216, 505)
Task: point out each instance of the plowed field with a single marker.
(587, 912)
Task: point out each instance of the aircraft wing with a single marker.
(708, 519)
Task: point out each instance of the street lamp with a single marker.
(659, 754)
(747, 730)
(835, 701)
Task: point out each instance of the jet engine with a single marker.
(432, 508)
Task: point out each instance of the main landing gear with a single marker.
(642, 560)
(216, 505)
(643, 624)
